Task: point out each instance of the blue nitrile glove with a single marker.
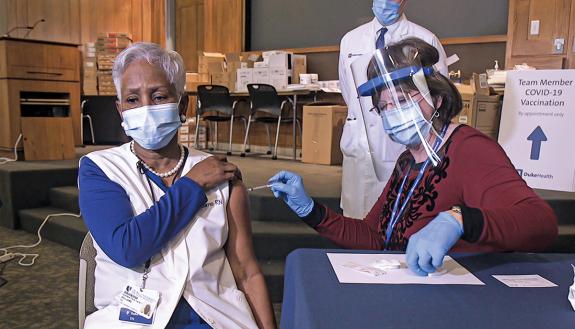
(289, 187)
(426, 248)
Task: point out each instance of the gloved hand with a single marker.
(426, 248)
(289, 187)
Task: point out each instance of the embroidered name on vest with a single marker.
(214, 203)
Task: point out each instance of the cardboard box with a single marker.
(466, 114)
(193, 80)
(280, 59)
(299, 66)
(480, 85)
(223, 79)
(232, 67)
(204, 58)
(112, 43)
(487, 113)
(482, 112)
(187, 134)
(278, 76)
(114, 35)
(244, 76)
(233, 57)
(261, 75)
(216, 67)
(322, 129)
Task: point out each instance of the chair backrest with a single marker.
(264, 98)
(214, 98)
(86, 280)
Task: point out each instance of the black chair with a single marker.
(215, 105)
(267, 107)
(87, 116)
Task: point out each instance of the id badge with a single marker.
(130, 316)
(141, 301)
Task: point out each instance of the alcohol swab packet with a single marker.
(386, 264)
(439, 272)
(370, 270)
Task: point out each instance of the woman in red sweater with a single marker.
(453, 189)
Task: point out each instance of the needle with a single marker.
(258, 187)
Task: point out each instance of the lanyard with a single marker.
(161, 185)
(395, 215)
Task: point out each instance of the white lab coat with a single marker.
(360, 186)
(193, 265)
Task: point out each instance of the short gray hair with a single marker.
(169, 61)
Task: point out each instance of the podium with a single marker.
(40, 81)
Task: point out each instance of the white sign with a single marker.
(537, 127)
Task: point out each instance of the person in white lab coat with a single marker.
(360, 186)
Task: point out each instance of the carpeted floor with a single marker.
(44, 295)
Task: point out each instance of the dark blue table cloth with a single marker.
(314, 298)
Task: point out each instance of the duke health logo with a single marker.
(525, 174)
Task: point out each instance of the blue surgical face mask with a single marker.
(386, 11)
(401, 124)
(153, 126)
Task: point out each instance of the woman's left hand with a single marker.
(426, 248)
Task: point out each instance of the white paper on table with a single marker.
(456, 274)
(525, 281)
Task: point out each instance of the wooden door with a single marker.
(224, 25)
(190, 31)
(111, 16)
(208, 25)
(154, 21)
(535, 29)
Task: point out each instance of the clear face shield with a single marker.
(391, 92)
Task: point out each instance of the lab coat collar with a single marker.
(397, 27)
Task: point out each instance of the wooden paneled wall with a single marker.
(80, 21)
(556, 21)
(61, 19)
(208, 25)
(190, 31)
(144, 19)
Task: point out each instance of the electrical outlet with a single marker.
(558, 46)
(6, 258)
(534, 28)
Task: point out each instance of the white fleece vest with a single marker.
(192, 265)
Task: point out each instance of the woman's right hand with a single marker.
(289, 187)
(213, 171)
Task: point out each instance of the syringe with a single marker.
(258, 187)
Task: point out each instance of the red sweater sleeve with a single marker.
(514, 217)
(353, 233)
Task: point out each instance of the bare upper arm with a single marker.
(239, 247)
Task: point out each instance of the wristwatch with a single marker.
(456, 209)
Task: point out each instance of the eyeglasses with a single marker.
(403, 102)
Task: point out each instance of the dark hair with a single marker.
(403, 53)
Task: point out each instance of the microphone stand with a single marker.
(30, 28)
(7, 34)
